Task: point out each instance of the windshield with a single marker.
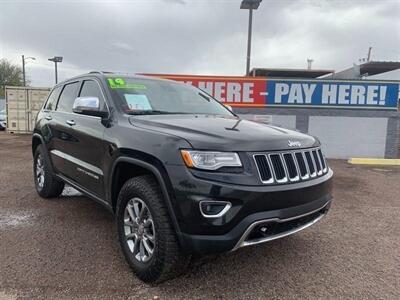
(3, 112)
(148, 96)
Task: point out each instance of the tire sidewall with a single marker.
(52, 187)
(133, 262)
(35, 157)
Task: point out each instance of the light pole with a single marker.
(56, 59)
(23, 67)
(250, 5)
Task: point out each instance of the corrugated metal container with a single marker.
(23, 104)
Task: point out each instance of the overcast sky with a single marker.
(194, 36)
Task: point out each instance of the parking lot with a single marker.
(67, 247)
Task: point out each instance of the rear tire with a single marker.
(143, 223)
(47, 185)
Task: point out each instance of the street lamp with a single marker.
(56, 59)
(23, 67)
(250, 5)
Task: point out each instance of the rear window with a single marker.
(67, 97)
(52, 101)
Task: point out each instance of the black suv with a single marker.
(182, 173)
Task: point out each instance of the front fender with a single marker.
(161, 177)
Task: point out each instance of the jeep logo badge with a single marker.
(294, 143)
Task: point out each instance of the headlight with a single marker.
(208, 160)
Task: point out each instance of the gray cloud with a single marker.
(194, 37)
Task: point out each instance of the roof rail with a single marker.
(100, 72)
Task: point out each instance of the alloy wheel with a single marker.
(40, 173)
(139, 230)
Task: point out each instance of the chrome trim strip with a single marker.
(319, 173)
(299, 177)
(243, 243)
(228, 205)
(303, 153)
(81, 81)
(284, 179)
(321, 156)
(314, 174)
(283, 234)
(271, 180)
(296, 178)
(307, 176)
(77, 161)
(296, 165)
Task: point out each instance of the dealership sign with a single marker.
(333, 93)
(261, 91)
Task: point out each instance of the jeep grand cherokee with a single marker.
(182, 173)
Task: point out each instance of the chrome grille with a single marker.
(293, 166)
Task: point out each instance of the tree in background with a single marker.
(10, 74)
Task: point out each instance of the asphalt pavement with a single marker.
(67, 248)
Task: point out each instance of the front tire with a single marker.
(147, 237)
(47, 185)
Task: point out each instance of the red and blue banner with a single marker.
(261, 91)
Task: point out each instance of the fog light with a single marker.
(214, 209)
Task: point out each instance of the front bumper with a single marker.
(306, 202)
(240, 236)
(271, 229)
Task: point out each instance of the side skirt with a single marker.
(86, 192)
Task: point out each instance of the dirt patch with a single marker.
(67, 248)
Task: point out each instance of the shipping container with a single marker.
(22, 105)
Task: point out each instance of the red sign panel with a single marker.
(235, 91)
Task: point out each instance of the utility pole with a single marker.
(369, 54)
(250, 5)
(56, 59)
(23, 67)
(309, 63)
(23, 70)
(250, 28)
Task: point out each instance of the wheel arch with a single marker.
(142, 168)
(37, 139)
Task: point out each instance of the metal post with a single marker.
(249, 41)
(369, 54)
(55, 60)
(23, 70)
(56, 72)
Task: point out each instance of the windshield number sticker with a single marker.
(119, 83)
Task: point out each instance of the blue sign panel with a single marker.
(350, 94)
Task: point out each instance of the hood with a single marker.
(225, 133)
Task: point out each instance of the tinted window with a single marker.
(148, 96)
(52, 101)
(90, 88)
(67, 97)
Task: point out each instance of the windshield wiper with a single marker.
(205, 97)
(155, 112)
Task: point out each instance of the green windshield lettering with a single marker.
(119, 83)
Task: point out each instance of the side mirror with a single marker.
(88, 106)
(229, 107)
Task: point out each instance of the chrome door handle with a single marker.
(70, 122)
(48, 118)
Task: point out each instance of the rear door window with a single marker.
(52, 101)
(67, 97)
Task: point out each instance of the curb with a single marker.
(374, 161)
